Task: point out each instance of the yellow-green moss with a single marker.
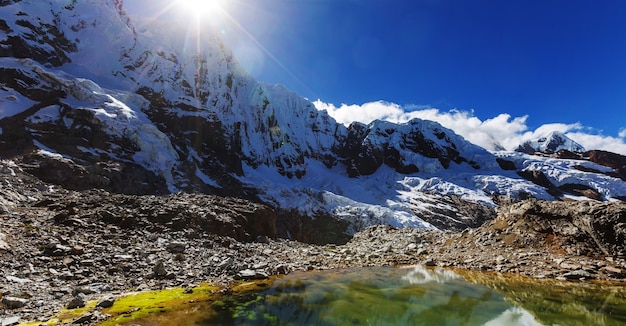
(136, 306)
(65, 316)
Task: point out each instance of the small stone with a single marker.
(3, 245)
(143, 287)
(106, 302)
(87, 262)
(246, 274)
(17, 279)
(78, 250)
(67, 275)
(84, 290)
(570, 266)
(14, 302)
(577, 275)
(55, 249)
(84, 319)
(226, 263)
(613, 270)
(283, 269)
(159, 269)
(430, 262)
(10, 321)
(176, 247)
(249, 274)
(77, 302)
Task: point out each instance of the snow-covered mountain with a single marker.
(553, 142)
(89, 100)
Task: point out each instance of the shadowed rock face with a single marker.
(44, 42)
(612, 160)
(368, 147)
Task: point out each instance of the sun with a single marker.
(203, 8)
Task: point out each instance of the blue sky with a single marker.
(549, 61)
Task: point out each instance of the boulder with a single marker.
(14, 302)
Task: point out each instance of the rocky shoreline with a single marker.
(60, 248)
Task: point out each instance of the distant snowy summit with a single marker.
(552, 143)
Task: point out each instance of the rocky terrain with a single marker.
(59, 248)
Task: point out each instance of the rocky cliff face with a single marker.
(409, 148)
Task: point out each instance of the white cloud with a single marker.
(501, 130)
(606, 143)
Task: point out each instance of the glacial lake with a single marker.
(406, 296)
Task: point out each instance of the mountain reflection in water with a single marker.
(410, 296)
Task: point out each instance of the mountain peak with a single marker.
(551, 143)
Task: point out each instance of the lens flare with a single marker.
(201, 8)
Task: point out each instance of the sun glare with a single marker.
(202, 8)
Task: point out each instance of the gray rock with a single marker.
(106, 302)
(159, 269)
(246, 274)
(3, 244)
(176, 247)
(17, 279)
(56, 249)
(77, 302)
(577, 275)
(77, 250)
(249, 274)
(83, 319)
(84, 290)
(14, 302)
(10, 321)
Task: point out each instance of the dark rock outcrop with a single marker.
(612, 160)
(538, 178)
(368, 147)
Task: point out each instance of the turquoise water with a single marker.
(411, 296)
